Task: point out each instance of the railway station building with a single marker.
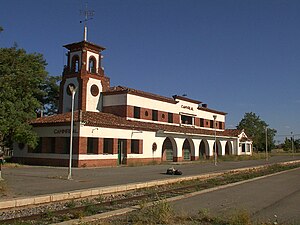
(120, 125)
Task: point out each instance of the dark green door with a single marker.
(122, 152)
(169, 154)
(186, 154)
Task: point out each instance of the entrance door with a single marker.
(122, 152)
(186, 150)
(169, 154)
(203, 150)
(186, 154)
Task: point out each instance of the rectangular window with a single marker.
(243, 147)
(248, 148)
(211, 124)
(154, 115)
(186, 120)
(137, 112)
(92, 145)
(135, 146)
(52, 144)
(66, 149)
(108, 146)
(170, 117)
(221, 125)
(201, 122)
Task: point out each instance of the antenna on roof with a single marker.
(87, 16)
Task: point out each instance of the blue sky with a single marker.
(237, 56)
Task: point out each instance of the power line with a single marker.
(286, 135)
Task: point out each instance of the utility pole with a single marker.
(215, 153)
(267, 144)
(292, 137)
(73, 92)
(1, 162)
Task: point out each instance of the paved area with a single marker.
(275, 195)
(29, 181)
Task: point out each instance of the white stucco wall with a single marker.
(93, 102)
(148, 138)
(89, 54)
(182, 107)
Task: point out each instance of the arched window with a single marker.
(75, 66)
(92, 64)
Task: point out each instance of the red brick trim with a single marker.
(194, 158)
(82, 145)
(100, 146)
(115, 146)
(61, 95)
(140, 146)
(119, 110)
(128, 146)
(177, 159)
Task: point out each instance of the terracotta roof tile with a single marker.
(82, 44)
(122, 89)
(186, 99)
(232, 132)
(211, 110)
(112, 121)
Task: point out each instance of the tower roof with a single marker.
(82, 44)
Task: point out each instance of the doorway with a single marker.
(122, 152)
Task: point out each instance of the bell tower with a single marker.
(84, 72)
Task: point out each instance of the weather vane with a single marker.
(87, 16)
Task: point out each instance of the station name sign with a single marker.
(187, 107)
(64, 131)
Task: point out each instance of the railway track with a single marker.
(98, 206)
(80, 208)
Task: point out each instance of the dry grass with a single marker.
(162, 213)
(3, 189)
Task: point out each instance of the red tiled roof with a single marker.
(212, 110)
(82, 44)
(232, 132)
(121, 89)
(112, 121)
(186, 99)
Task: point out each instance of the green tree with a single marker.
(23, 86)
(50, 97)
(1, 29)
(255, 128)
(297, 144)
(287, 145)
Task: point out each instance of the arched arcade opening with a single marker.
(218, 145)
(186, 150)
(228, 148)
(168, 149)
(203, 149)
